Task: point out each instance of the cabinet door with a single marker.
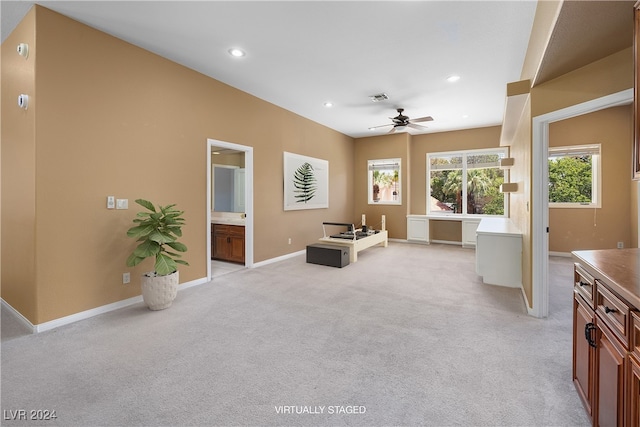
(469, 233)
(220, 246)
(583, 353)
(611, 361)
(236, 249)
(634, 392)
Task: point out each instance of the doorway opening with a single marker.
(233, 205)
(540, 191)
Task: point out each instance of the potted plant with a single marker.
(158, 231)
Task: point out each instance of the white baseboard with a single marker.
(46, 326)
(530, 311)
(277, 259)
(447, 242)
(19, 317)
(563, 254)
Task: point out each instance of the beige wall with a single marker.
(382, 147)
(582, 228)
(604, 77)
(520, 205)
(118, 120)
(413, 149)
(609, 75)
(19, 171)
(468, 139)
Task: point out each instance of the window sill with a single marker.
(460, 217)
(574, 206)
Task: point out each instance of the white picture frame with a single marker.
(306, 182)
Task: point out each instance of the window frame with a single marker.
(503, 152)
(596, 177)
(373, 162)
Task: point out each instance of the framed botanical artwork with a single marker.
(306, 182)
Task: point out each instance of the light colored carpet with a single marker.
(408, 335)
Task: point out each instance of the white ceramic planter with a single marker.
(158, 292)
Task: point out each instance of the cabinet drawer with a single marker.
(634, 343)
(584, 284)
(614, 312)
(221, 229)
(236, 230)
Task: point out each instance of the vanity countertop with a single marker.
(228, 220)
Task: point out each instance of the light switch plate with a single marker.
(122, 204)
(111, 202)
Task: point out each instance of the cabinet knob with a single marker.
(609, 310)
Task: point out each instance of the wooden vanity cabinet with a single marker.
(606, 335)
(227, 242)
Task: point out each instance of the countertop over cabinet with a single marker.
(228, 218)
(498, 226)
(499, 252)
(619, 267)
(606, 335)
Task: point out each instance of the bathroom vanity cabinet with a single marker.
(227, 242)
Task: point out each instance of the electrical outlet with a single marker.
(126, 278)
(289, 240)
(111, 202)
(620, 245)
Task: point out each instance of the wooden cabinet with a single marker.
(611, 357)
(584, 351)
(227, 242)
(606, 335)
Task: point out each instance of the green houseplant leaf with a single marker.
(157, 230)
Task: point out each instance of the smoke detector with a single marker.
(379, 97)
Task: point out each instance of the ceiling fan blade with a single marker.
(419, 127)
(393, 130)
(381, 126)
(422, 119)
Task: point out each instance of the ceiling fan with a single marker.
(401, 121)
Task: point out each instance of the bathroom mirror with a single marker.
(227, 186)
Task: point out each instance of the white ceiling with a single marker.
(301, 54)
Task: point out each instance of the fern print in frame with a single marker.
(306, 182)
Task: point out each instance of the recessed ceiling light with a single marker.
(465, 116)
(452, 79)
(328, 104)
(238, 53)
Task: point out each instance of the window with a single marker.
(466, 183)
(384, 182)
(574, 176)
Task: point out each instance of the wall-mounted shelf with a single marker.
(506, 162)
(509, 187)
